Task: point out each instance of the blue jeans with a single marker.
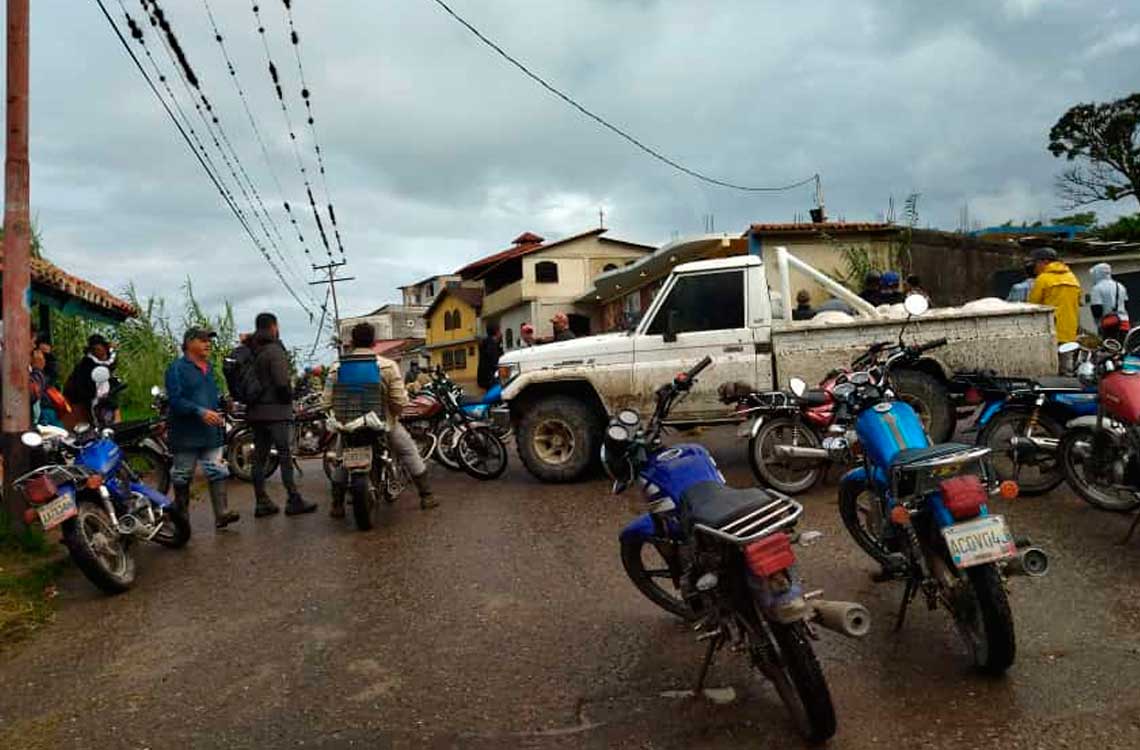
(185, 460)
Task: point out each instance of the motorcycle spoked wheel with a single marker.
(657, 582)
(977, 600)
(100, 552)
(445, 448)
(1102, 495)
(239, 457)
(790, 476)
(861, 511)
(481, 452)
(361, 494)
(1036, 478)
(800, 683)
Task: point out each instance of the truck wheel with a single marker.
(929, 397)
(558, 438)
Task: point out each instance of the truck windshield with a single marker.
(703, 302)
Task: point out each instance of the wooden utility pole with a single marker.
(16, 293)
(332, 281)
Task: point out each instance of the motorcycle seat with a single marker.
(1059, 383)
(815, 397)
(473, 401)
(127, 432)
(713, 504)
(915, 455)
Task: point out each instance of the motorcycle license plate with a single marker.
(57, 511)
(983, 540)
(357, 458)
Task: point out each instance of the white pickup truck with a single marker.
(561, 393)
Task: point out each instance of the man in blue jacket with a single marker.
(197, 427)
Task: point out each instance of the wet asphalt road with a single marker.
(503, 619)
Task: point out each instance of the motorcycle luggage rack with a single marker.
(780, 513)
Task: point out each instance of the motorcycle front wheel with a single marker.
(98, 550)
(481, 453)
(788, 475)
(1040, 475)
(1075, 450)
(800, 683)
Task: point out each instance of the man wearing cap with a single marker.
(1057, 287)
(889, 293)
(561, 323)
(197, 428)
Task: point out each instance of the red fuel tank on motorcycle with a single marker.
(1120, 394)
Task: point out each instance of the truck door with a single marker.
(701, 313)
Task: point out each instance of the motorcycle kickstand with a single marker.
(908, 597)
(714, 646)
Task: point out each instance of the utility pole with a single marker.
(16, 292)
(332, 281)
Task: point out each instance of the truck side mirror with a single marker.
(670, 334)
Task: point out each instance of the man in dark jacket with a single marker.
(490, 349)
(197, 431)
(80, 387)
(271, 418)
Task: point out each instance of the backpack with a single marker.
(241, 375)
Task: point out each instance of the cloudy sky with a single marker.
(439, 152)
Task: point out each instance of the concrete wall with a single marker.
(955, 269)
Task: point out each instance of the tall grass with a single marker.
(147, 344)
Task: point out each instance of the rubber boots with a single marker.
(296, 506)
(423, 484)
(338, 493)
(182, 497)
(223, 516)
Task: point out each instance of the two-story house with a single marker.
(533, 279)
(422, 293)
(453, 332)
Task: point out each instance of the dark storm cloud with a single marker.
(439, 152)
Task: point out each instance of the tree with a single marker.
(1080, 219)
(1106, 140)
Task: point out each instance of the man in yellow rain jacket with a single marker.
(1057, 287)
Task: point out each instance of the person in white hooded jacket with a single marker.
(1108, 301)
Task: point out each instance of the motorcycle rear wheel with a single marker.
(790, 476)
(1096, 494)
(239, 457)
(801, 684)
(646, 580)
(481, 453)
(363, 504)
(445, 449)
(1045, 473)
(98, 550)
(984, 620)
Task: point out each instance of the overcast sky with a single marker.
(439, 152)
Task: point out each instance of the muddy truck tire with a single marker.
(930, 399)
(558, 438)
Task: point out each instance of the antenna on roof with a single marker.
(601, 218)
(818, 215)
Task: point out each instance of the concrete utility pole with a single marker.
(16, 293)
(332, 281)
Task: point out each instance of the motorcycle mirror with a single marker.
(32, 439)
(799, 387)
(1070, 346)
(916, 304)
(101, 374)
(155, 390)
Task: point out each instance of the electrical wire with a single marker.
(276, 80)
(190, 143)
(256, 129)
(306, 96)
(320, 324)
(610, 126)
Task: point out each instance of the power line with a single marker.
(306, 96)
(610, 126)
(202, 106)
(185, 137)
(253, 124)
(276, 80)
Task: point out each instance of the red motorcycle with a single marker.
(1100, 454)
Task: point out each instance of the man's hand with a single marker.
(213, 418)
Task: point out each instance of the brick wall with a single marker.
(955, 268)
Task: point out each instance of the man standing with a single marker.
(526, 335)
(80, 388)
(872, 291)
(1109, 303)
(561, 323)
(271, 417)
(889, 293)
(197, 431)
(803, 309)
(1057, 287)
(400, 440)
(490, 349)
(1019, 292)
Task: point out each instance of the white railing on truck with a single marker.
(785, 259)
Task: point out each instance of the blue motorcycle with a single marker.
(84, 484)
(728, 563)
(490, 408)
(1022, 420)
(922, 511)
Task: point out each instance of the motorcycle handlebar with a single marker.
(698, 368)
(936, 343)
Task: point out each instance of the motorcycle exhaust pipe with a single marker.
(846, 618)
(1030, 561)
(800, 452)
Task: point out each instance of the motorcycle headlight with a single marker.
(628, 418)
(617, 433)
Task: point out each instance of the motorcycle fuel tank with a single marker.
(887, 428)
(676, 469)
(101, 456)
(1120, 393)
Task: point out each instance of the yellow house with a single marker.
(453, 332)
